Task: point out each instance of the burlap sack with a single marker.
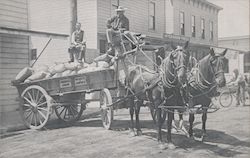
(57, 75)
(102, 64)
(24, 74)
(71, 66)
(59, 68)
(66, 73)
(37, 76)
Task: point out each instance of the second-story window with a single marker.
(152, 15)
(193, 25)
(211, 27)
(203, 28)
(182, 23)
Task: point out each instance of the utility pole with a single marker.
(73, 6)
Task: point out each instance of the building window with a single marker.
(247, 62)
(152, 15)
(193, 25)
(203, 28)
(33, 54)
(211, 27)
(182, 23)
(102, 46)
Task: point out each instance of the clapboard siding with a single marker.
(14, 14)
(50, 16)
(9, 107)
(13, 57)
(103, 13)
(87, 15)
(137, 14)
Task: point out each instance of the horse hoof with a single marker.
(139, 133)
(162, 146)
(171, 146)
(132, 133)
(203, 136)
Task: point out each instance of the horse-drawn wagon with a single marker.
(65, 96)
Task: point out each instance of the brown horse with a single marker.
(157, 88)
(202, 81)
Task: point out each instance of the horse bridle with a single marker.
(201, 86)
(166, 81)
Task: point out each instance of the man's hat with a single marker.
(120, 9)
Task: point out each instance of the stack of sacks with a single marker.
(95, 66)
(29, 74)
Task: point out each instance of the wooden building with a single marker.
(159, 20)
(14, 55)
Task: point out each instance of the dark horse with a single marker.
(202, 82)
(155, 87)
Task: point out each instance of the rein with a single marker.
(199, 78)
(166, 82)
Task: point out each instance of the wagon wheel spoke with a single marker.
(62, 110)
(32, 116)
(37, 95)
(31, 98)
(39, 108)
(42, 104)
(27, 100)
(66, 109)
(42, 114)
(74, 110)
(27, 105)
(35, 119)
(71, 111)
(39, 100)
(27, 116)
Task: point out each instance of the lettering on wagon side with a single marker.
(80, 81)
(65, 83)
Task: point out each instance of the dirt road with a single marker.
(228, 136)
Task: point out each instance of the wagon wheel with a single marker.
(35, 109)
(226, 99)
(106, 112)
(69, 113)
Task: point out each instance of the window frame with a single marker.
(151, 18)
(193, 27)
(211, 30)
(203, 27)
(182, 23)
(33, 54)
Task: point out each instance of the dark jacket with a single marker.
(117, 22)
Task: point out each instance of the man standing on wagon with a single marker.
(78, 44)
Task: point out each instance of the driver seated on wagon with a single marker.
(116, 25)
